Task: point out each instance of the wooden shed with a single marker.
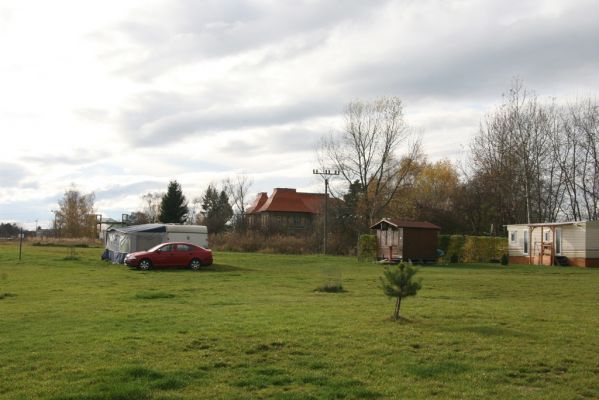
(407, 240)
(555, 243)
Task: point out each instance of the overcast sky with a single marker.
(119, 97)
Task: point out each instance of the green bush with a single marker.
(504, 259)
(367, 247)
(459, 248)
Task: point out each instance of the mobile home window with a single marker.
(513, 236)
(558, 241)
(525, 242)
(547, 236)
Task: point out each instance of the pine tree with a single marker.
(216, 209)
(173, 208)
(398, 283)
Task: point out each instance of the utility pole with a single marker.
(325, 173)
(20, 243)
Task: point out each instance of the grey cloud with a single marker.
(541, 50)
(157, 124)
(74, 157)
(140, 188)
(276, 141)
(28, 211)
(11, 174)
(199, 30)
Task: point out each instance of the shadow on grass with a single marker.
(154, 295)
(400, 320)
(204, 269)
(489, 330)
(132, 382)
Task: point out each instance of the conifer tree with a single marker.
(397, 283)
(216, 209)
(173, 208)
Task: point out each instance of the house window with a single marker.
(558, 241)
(525, 242)
(513, 236)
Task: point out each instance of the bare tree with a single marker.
(237, 189)
(515, 153)
(194, 216)
(367, 151)
(577, 152)
(75, 216)
(151, 205)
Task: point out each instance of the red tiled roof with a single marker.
(258, 202)
(285, 200)
(314, 201)
(407, 224)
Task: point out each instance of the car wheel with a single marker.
(195, 264)
(145, 264)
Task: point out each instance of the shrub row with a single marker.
(459, 248)
(260, 243)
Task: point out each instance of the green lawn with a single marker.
(252, 326)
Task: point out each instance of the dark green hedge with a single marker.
(460, 248)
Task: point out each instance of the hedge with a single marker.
(459, 248)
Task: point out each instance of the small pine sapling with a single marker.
(397, 282)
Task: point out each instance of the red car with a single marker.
(170, 255)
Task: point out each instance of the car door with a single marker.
(184, 254)
(163, 256)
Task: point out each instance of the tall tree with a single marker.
(577, 152)
(514, 153)
(75, 216)
(216, 210)
(173, 208)
(9, 229)
(151, 205)
(367, 151)
(138, 218)
(237, 190)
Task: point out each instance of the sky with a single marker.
(119, 97)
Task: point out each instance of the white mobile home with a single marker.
(121, 241)
(555, 243)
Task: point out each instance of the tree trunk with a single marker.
(397, 305)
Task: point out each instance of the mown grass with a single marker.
(252, 326)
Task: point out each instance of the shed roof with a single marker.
(406, 224)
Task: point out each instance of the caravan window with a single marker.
(513, 236)
(525, 242)
(558, 241)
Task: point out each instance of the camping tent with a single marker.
(121, 241)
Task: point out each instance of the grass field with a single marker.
(252, 326)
